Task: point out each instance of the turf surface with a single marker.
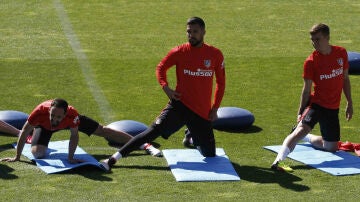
(264, 44)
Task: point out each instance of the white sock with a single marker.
(117, 155)
(283, 153)
(144, 146)
(307, 138)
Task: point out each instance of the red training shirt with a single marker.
(326, 72)
(195, 69)
(40, 116)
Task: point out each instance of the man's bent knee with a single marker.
(330, 146)
(38, 151)
(207, 152)
(301, 130)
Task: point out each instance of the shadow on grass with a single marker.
(132, 154)
(266, 175)
(250, 130)
(147, 167)
(119, 166)
(90, 172)
(94, 173)
(8, 135)
(5, 172)
(118, 146)
(6, 147)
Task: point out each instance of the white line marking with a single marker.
(105, 108)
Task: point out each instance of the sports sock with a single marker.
(117, 155)
(144, 146)
(283, 153)
(307, 138)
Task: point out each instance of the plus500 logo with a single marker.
(199, 72)
(334, 73)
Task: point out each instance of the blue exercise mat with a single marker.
(190, 165)
(57, 155)
(337, 163)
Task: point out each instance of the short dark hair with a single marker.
(322, 28)
(196, 21)
(60, 103)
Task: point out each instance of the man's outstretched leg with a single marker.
(288, 146)
(123, 138)
(147, 136)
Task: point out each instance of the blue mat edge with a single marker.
(269, 147)
(235, 177)
(59, 170)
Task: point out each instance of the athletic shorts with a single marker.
(328, 120)
(87, 126)
(176, 115)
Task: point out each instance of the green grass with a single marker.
(264, 44)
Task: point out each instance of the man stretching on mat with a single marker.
(53, 115)
(326, 68)
(191, 102)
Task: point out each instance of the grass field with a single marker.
(101, 55)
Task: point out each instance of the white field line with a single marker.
(105, 108)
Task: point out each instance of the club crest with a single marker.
(207, 63)
(340, 61)
(76, 120)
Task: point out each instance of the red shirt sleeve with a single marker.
(168, 61)
(220, 82)
(346, 59)
(308, 72)
(72, 117)
(37, 115)
(33, 117)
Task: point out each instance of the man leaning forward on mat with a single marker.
(191, 102)
(326, 68)
(54, 115)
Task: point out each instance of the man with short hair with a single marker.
(54, 115)
(191, 103)
(327, 69)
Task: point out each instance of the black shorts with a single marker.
(328, 120)
(87, 126)
(176, 115)
(41, 136)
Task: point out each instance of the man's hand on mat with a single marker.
(8, 159)
(74, 161)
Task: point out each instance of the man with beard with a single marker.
(191, 102)
(54, 115)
